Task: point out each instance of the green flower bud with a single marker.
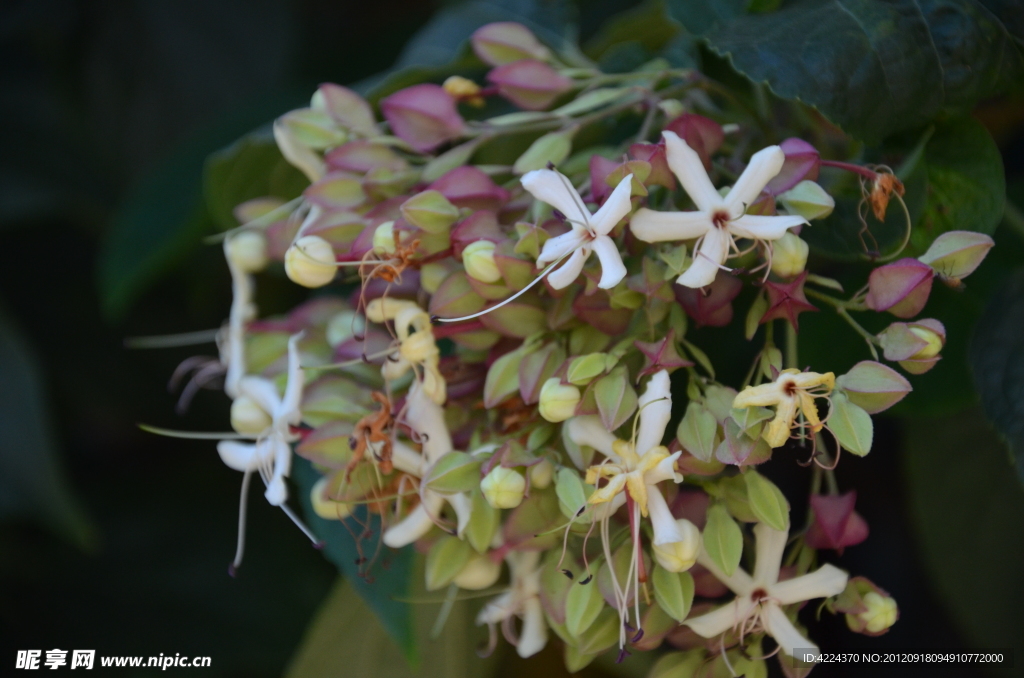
(678, 556)
(809, 200)
(324, 506)
(933, 342)
(789, 256)
(384, 238)
(478, 257)
(541, 474)
(247, 250)
(881, 613)
(558, 401)
(479, 573)
(430, 211)
(248, 417)
(503, 487)
(310, 262)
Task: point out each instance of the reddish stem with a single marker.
(450, 329)
(850, 167)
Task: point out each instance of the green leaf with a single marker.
(616, 398)
(673, 591)
(872, 67)
(502, 378)
(767, 501)
(582, 605)
(454, 472)
(996, 357)
(380, 586)
(553, 147)
(723, 540)
(445, 559)
(592, 100)
(969, 513)
(32, 480)
(851, 425)
(966, 185)
(570, 490)
(484, 520)
(697, 431)
(601, 635)
(585, 367)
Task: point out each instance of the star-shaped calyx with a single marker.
(661, 355)
(787, 300)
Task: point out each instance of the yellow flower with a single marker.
(793, 391)
(630, 473)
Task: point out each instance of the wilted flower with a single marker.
(417, 349)
(522, 600)
(792, 392)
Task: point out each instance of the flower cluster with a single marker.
(502, 399)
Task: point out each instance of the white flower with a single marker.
(522, 600)
(717, 220)
(761, 597)
(427, 418)
(271, 454)
(231, 338)
(589, 231)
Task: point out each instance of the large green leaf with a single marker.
(344, 640)
(388, 578)
(32, 483)
(997, 363)
(872, 67)
(969, 512)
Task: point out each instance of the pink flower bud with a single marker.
(529, 84)
(802, 162)
(654, 154)
(869, 609)
(363, 156)
(714, 308)
(915, 346)
(600, 168)
(347, 108)
(902, 287)
(423, 115)
(467, 186)
(701, 134)
(836, 525)
(482, 225)
(504, 42)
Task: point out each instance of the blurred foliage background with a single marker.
(119, 541)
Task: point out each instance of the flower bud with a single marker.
(881, 613)
(478, 258)
(430, 211)
(558, 401)
(310, 262)
(703, 135)
(506, 41)
(384, 238)
(463, 89)
(247, 250)
(541, 474)
(479, 573)
(789, 256)
(343, 326)
(932, 340)
(313, 128)
(955, 254)
(836, 525)
(423, 115)
(503, 487)
(432, 274)
(529, 84)
(324, 506)
(672, 108)
(902, 287)
(349, 110)
(915, 346)
(802, 162)
(678, 556)
(808, 200)
(248, 417)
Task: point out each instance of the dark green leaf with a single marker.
(378, 583)
(872, 67)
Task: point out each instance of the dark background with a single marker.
(95, 97)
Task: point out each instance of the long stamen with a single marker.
(194, 435)
(172, 340)
(506, 301)
(243, 506)
(302, 526)
(349, 363)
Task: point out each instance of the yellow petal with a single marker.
(810, 411)
(809, 380)
(764, 395)
(652, 458)
(776, 433)
(608, 492)
(638, 490)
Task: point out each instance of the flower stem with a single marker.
(792, 359)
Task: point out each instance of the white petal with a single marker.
(238, 456)
(763, 167)
(414, 525)
(588, 430)
(555, 189)
(557, 247)
(828, 580)
(498, 609)
(770, 544)
(666, 531)
(241, 303)
(406, 459)
(289, 410)
(764, 227)
(262, 391)
(427, 418)
(686, 164)
(717, 621)
(564, 275)
(739, 582)
(463, 506)
(534, 635)
(655, 411)
(614, 208)
(665, 470)
(612, 268)
(651, 226)
(713, 252)
(778, 626)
